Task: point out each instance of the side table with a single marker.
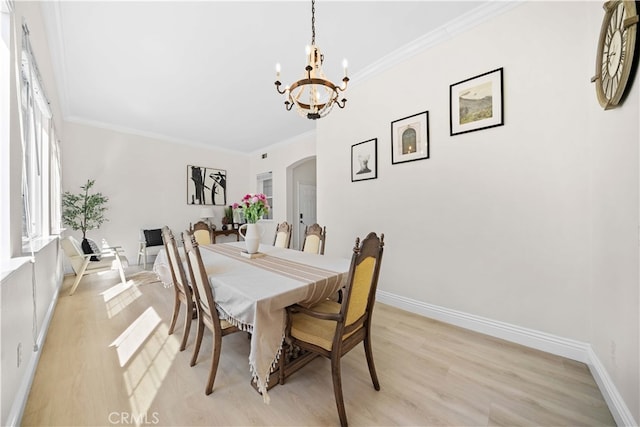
(228, 232)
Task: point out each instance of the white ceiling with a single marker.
(203, 72)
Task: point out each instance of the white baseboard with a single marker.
(20, 400)
(616, 404)
(571, 349)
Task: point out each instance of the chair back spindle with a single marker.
(183, 293)
(207, 311)
(202, 290)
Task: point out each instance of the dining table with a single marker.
(253, 291)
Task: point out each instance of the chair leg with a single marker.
(187, 326)
(79, 275)
(372, 366)
(337, 388)
(120, 268)
(176, 311)
(215, 359)
(144, 258)
(141, 250)
(196, 348)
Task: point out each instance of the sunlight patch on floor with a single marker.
(135, 335)
(118, 297)
(149, 367)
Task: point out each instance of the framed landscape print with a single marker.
(206, 186)
(364, 160)
(476, 103)
(410, 138)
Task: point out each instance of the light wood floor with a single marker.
(108, 360)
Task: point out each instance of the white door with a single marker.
(306, 214)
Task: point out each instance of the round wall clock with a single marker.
(616, 51)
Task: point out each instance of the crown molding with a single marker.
(446, 32)
(150, 135)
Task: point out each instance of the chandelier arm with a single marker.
(343, 88)
(278, 84)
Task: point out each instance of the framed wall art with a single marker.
(476, 103)
(206, 186)
(364, 160)
(410, 138)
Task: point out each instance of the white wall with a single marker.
(144, 178)
(513, 223)
(28, 292)
(280, 158)
(614, 307)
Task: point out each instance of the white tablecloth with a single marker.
(253, 293)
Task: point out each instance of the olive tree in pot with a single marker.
(84, 211)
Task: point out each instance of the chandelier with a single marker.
(313, 95)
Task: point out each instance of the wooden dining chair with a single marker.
(314, 237)
(332, 329)
(207, 312)
(183, 293)
(283, 235)
(203, 232)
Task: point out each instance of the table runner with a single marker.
(253, 294)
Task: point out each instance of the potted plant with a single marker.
(228, 217)
(84, 211)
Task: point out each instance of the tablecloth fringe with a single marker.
(235, 322)
(262, 388)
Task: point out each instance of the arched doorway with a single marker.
(301, 189)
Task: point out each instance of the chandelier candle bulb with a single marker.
(344, 65)
(278, 70)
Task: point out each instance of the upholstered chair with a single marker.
(282, 238)
(203, 232)
(332, 329)
(314, 238)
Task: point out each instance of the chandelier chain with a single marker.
(313, 22)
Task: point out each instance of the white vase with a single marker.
(251, 234)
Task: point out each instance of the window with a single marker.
(55, 190)
(5, 84)
(40, 174)
(265, 185)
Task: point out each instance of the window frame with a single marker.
(264, 184)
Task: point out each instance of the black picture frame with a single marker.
(206, 186)
(476, 103)
(410, 138)
(364, 160)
